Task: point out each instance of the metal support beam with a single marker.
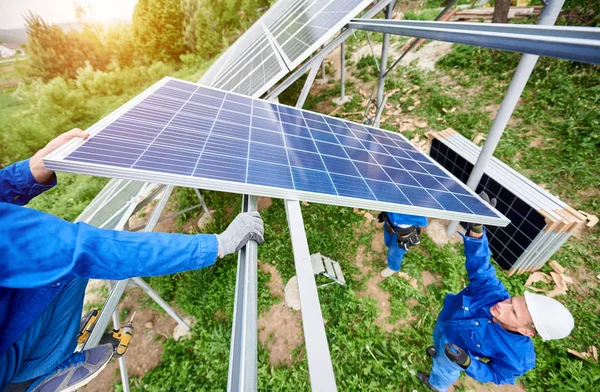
(515, 89)
(570, 43)
(328, 48)
(244, 333)
(343, 70)
(308, 84)
(122, 362)
(383, 66)
(161, 302)
(320, 368)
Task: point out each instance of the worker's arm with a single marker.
(38, 249)
(477, 253)
(496, 371)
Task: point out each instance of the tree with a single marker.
(501, 9)
(158, 30)
(52, 52)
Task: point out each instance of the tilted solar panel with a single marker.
(280, 40)
(184, 134)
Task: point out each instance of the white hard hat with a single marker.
(550, 318)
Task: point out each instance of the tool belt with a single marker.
(406, 236)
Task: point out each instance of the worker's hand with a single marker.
(246, 226)
(457, 355)
(477, 228)
(36, 163)
(381, 217)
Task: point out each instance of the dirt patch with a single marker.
(263, 202)
(473, 386)
(145, 349)
(275, 284)
(436, 230)
(280, 328)
(428, 279)
(377, 244)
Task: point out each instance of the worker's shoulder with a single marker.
(406, 219)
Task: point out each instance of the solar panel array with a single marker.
(184, 134)
(540, 222)
(286, 35)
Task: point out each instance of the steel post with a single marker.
(343, 70)
(517, 85)
(383, 66)
(308, 84)
(244, 334)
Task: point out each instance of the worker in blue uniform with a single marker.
(485, 332)
(45, 263)
(400, 232)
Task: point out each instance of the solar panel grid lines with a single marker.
(271, 150)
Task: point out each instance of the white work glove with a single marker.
(246, 226)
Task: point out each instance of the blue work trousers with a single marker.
(444, 372)
(52, 337)
(395, 254)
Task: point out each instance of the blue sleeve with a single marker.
(480, 270)
(501, 371)
(18, 186)
(37, 249)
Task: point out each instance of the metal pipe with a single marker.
(383, 65)
(580, 44)
(204, 207)
(244, 333)
(343, 70)
(323, 71)
(122, 363)
(517, 85)
(161, 302)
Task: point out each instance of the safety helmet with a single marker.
(550, 318)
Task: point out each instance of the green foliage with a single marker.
(51, 52)
(158, 30)
(219, 23)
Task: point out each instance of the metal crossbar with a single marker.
(570, 43)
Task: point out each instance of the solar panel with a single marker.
(184, 134)
(286, 35)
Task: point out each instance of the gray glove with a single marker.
(478, 227)
(246, 226)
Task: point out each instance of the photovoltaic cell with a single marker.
(207, 138)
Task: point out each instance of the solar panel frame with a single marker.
(56, 162)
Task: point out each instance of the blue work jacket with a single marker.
(466, 321)
(39, 253)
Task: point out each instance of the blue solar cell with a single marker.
(300, 143)
(400, 176)
(286, 118)
(340, 166)
(268, 153)
(428, 181)
(357, 154)
(433, 169)
(476, 206)
(419, 197)
(411, 165)
(387, 191)
(216, 135)
(312, 181)
(263, 136)
(268, 114)
(350, 142)
(295, 130)
(219, 145)
(269, 125)
(386, 160)
(343, 131)
(317, 125)
(331, 149)
(221, 168)
(374, 172)
(324, 136)
(352, 187)
(449, 201)
(305, 159)
(262, 173)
